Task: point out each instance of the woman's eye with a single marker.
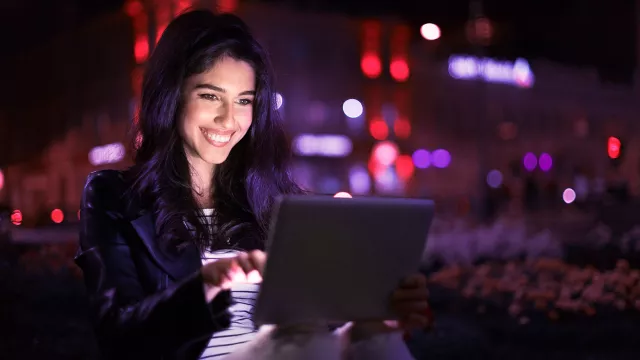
(208, 97)
(245, 101)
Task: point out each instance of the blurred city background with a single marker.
(519, 118)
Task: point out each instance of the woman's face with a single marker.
(217, 111)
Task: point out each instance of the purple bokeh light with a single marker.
(494, 179)
(421, 159)
(441, 158)
(530, 161)
(545, 162)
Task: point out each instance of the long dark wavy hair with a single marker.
(257, 169)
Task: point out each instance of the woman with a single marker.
(162, 243)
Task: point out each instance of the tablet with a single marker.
(339, 259)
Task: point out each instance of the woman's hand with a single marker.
(221, 274)
(410, 301)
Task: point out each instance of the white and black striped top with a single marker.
(242, 328)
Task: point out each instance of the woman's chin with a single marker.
(215, 159)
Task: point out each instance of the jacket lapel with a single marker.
(177, 264)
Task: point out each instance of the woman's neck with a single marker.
(202, 182)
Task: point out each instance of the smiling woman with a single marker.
(217, 113)
(171, 249)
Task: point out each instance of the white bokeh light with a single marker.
(430, 31)
(352, 108)
(279, 101)
(325, 145)
(568, 195)
(107, 154)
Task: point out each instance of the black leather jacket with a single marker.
(146, 303)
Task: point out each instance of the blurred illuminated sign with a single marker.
(322, 145)
(516, 73)
(106, 154)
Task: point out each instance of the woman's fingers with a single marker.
(251, 265)
(415, 321)
(258, 259)
(245, 264)
(410, 307)
(414, 281)
(243, 268)
(417, 294)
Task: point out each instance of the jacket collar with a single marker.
(178, 265)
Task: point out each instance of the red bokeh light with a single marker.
(379, 129)
(57, 216)
(181, 6)
(404, 167)
(16, 217)
(613, 147)
(227, 6)
(402, 128)
(371, 65)
(399, 69)
(375, 167)
(141, 48)
(133, 8)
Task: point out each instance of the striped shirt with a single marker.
(242, 328)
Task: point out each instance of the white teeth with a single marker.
(218, 138)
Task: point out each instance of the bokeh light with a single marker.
(568, 195)
(379, 129)
(359, 180)
(371, 65)
(494, 179)
(530, 161)
(613, 147)
(402, 128)
(352, 108)
(399, 70)
(57, 216)
(385, 152)
(16, 217)
(421, 158)
(430, 31)
(440, 158)
(279, 101)
(545, 162)
(404, 167)
(387, 181)
(343, 195)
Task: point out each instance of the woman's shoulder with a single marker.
(105, 189)
(103, 181)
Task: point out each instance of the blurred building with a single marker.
(415, 123)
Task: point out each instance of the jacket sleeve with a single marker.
(128, 321)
